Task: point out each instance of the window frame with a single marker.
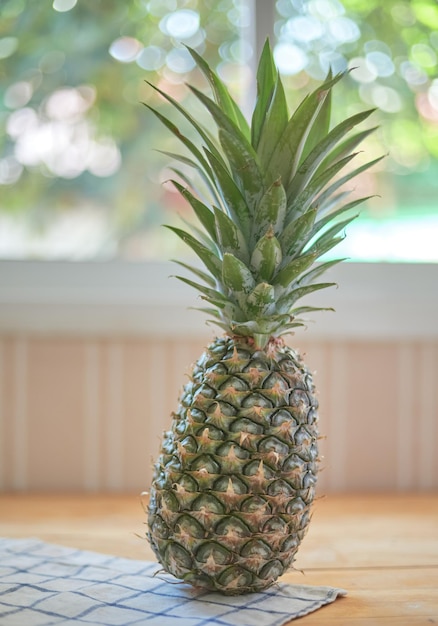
(101, 298)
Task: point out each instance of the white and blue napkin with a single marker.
(47, 585)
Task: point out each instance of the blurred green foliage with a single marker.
(391, 48)
(46, 51)
(76, 144)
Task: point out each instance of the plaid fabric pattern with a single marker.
(43, 584)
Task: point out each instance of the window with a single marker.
(391, 51)
(80, 180)
(78, 172)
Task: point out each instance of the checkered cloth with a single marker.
(43, 584)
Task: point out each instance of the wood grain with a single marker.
(382, 549)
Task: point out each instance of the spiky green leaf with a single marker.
(211, 294)
(207, 278)
(295, 235)
(292, 270)
(206, 176)
(329, 234)
(208, 311)
(299, 203)
(332, 202)
(274, 124)
(329, 217)
(221, 94)
(284, 160)
(202, 212)
(176, 131)
(266, 75)
(230, 236)
(209, 259)
(236, 275)
(340, 182)
(244, 168)
(315, 272)
(309, 309)
(203, 133)
(320, 126)
(232, 198)
(200, 235)
(328, 245)
(266, 256)
(260, 301)
(270, 211)
(310, 164)
(223, 121)
(346, 147)
(286, 302)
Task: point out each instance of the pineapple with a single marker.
(235, 479)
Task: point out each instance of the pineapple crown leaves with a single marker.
(274, 205)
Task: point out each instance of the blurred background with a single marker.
(94, 339)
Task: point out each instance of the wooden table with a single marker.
(383, 549)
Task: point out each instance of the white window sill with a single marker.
(378, 300)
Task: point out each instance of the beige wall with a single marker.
(78, 413)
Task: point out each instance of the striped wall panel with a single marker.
(87, 414)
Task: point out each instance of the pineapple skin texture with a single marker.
(235, 478)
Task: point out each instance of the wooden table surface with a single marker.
(383, 549)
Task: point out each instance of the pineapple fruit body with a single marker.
(236, 475)
(235, 479)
